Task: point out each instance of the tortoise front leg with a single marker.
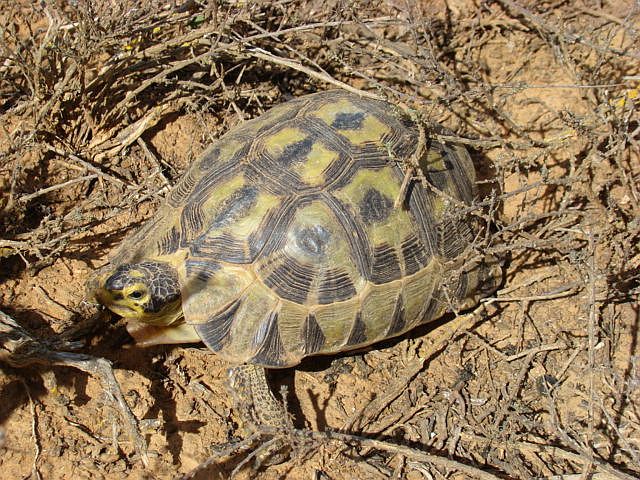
(254, 400)
(259, 408)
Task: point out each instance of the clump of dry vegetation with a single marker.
(104, 104)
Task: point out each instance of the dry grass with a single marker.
(92, 99)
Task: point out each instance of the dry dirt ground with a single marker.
(103, 105)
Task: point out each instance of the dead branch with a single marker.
(19, 349)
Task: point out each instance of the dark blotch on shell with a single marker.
(374, 206)
(348, 121)
(296, 152)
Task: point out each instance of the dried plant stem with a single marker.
(408, 452)
(323, 76)
(20, 349)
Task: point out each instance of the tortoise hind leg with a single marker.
(258, 407)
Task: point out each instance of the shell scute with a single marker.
(230, 221)
(311, 263)
(298, 156)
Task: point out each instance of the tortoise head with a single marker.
(148, 291)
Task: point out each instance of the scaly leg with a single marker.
(258, 407)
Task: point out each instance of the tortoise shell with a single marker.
(287, 241)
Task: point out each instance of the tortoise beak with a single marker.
(94, 291)
(110, 299)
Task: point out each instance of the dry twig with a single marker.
(19, 349)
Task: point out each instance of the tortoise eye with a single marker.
(136, 294)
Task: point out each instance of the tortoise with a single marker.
(329, 223)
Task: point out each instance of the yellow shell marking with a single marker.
(277, 142)
(246, 225)
(419, 287)
(377, 308)
(398, 225)
(433, 161)
(336, 320)
(291, 319)
(204, 297)
(227, 149)
(243, 226)
(317, 161)
(222, 191)
(248, 330)
(371, 129)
